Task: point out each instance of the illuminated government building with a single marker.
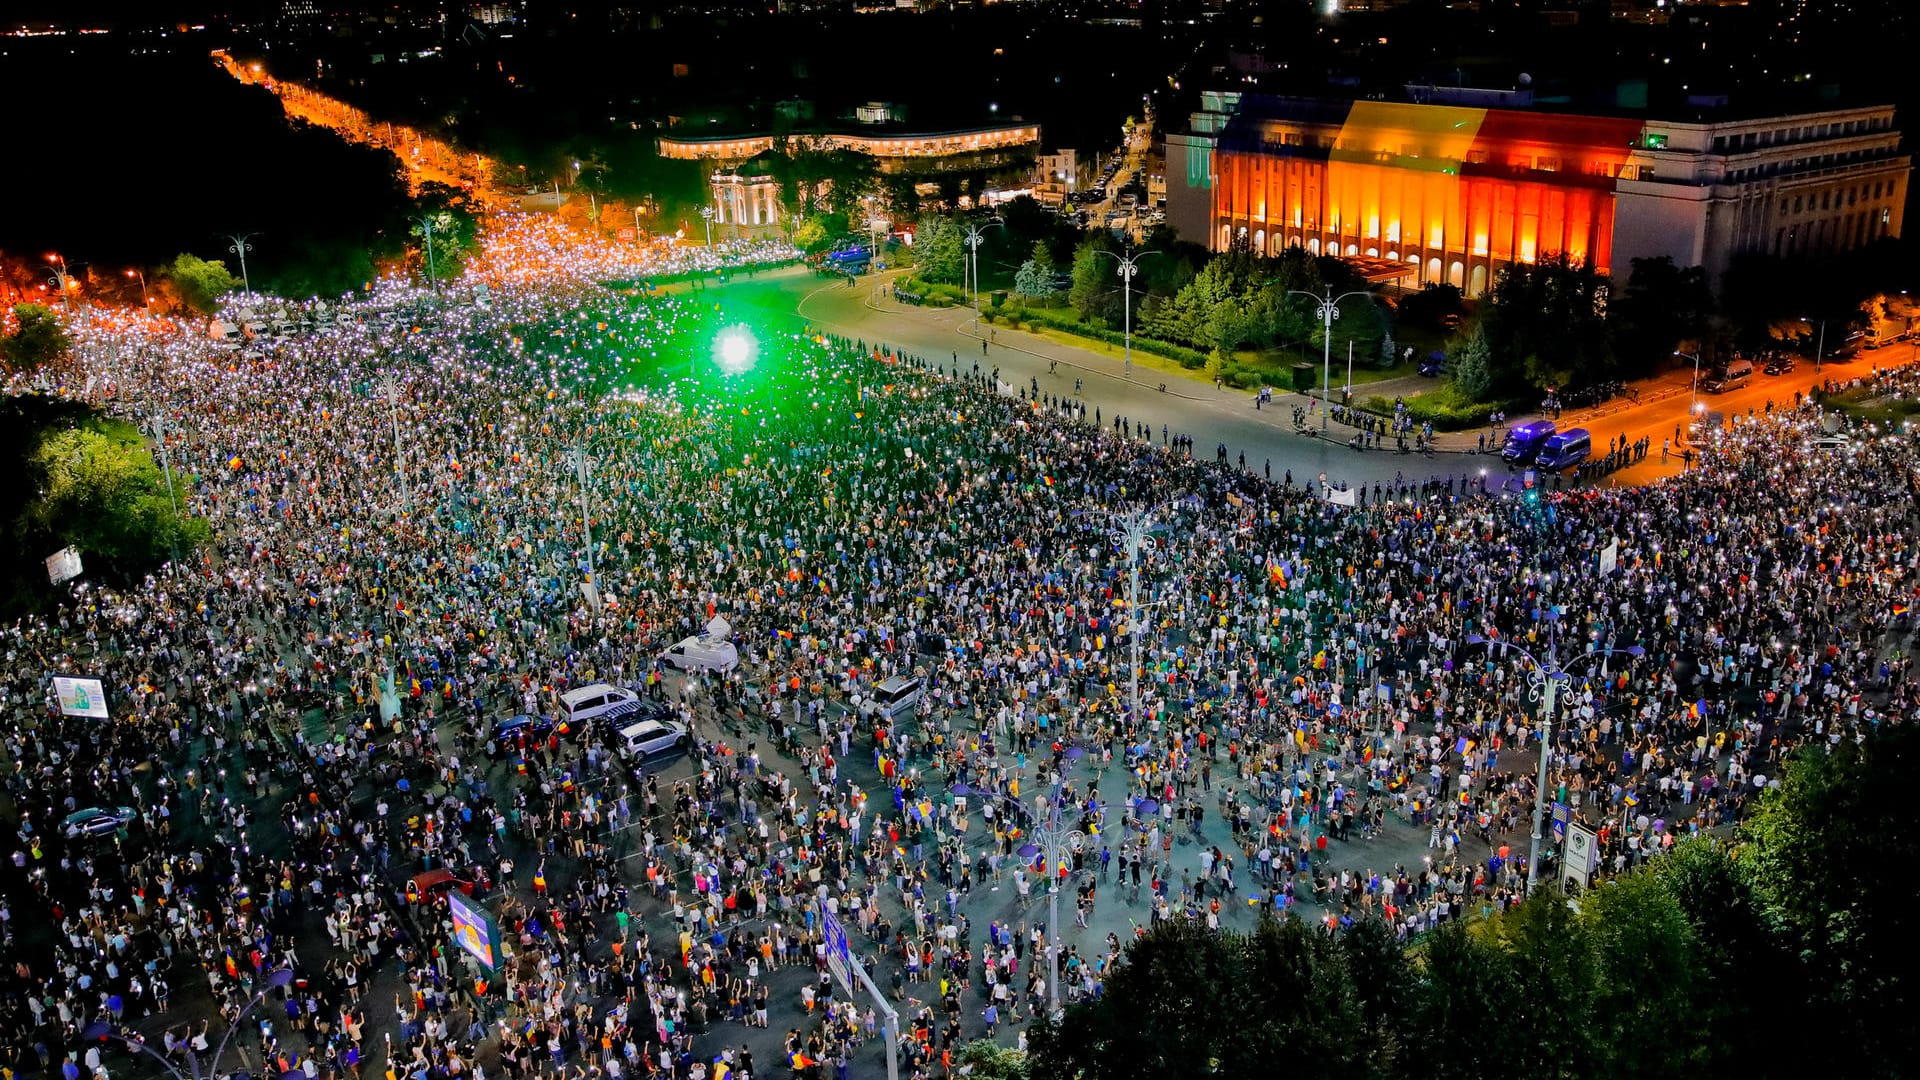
(746, 195)
(1453, 192)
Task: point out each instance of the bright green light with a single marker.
(733, 350)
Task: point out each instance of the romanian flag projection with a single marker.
(1440, 192)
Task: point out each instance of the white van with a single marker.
(1736, 375)
(896, 695)
(595, 699)
(708, 650)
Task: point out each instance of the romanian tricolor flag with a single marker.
(1899, 609)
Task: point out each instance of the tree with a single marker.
(1661, 306)
(1092, 293)
(1472, 363)
(1035, 278)
(938, 251)
(199, 282)
(1298, 1002)
(1463, 1025)
(1751, 979)
(37, 339)
(105, 496)
(1546, 325)
(1646, 1003)
(1556, 977)
(1383, 986)
(1835, 859)
(983, 1059)
(1167, 1013)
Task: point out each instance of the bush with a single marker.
(1445, 407)
(1062, 320)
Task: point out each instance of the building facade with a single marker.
(746, 196)
(893, 150)
(1454, 193)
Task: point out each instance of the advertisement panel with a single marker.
(474, 929)
(80, 697)
(64, 565)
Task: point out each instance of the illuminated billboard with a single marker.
(80, 697)
(474, 930)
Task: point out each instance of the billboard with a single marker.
(63, 565)
(474, 930)
(80, 697)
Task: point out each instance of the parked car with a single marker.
(432, 886)
(99, 821)
(1779, 365)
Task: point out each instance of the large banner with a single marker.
(474, 930)
(81, 697)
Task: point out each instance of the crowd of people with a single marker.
(303, 713)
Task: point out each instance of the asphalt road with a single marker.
(946, 336)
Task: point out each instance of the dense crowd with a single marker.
(303, 713)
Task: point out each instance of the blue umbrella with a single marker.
(959, 789)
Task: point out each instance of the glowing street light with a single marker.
(426, 223)
(62, 279)
(141, 274)
(1694, 405)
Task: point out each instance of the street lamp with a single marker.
(1544, 680)
(706, 216)
(391, 389)
(240, 246)
(142, 275)
(62, 279)
(1129, 265)
(579, 459)
(105, 1029)
(426, 223)
(875, 223)
(1328, 308)
(1135, 530)
(1053, 840)
(975, 233)
(1820, 346)
(1694, 403)
(158, 428)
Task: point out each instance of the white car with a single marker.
(650, 737)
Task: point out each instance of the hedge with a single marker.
(1042, 317)
(1443, 407)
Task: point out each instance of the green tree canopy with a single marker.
(37, 338)
(104, 495)
(1546, 325)
(1661, 306)
(200, 282)
(1836, 860)
(1094, 292)
(938, 250)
